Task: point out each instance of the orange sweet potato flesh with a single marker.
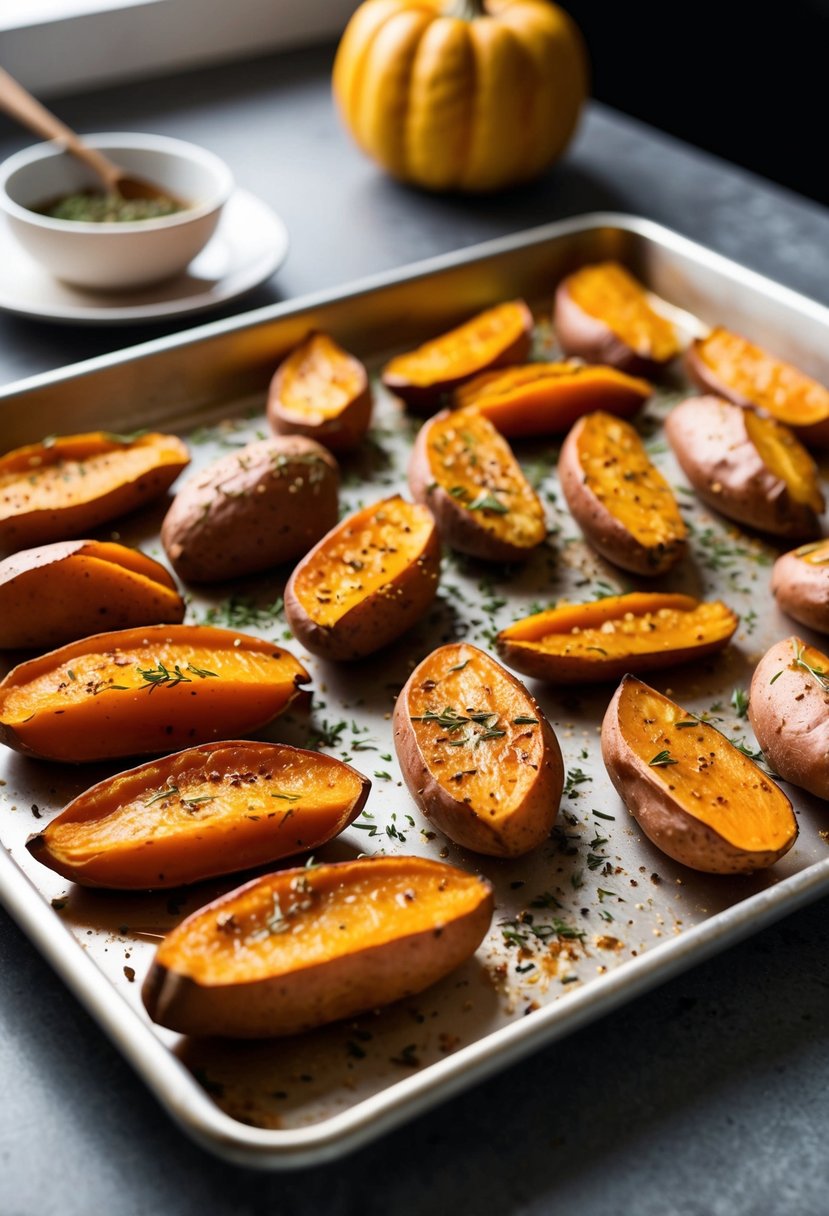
(366, 582)
(66, 487)
(729, 365)
(479, 757)
(611, 295)
(619, 499)
(694, 795)
(209, 810)
(305, 947)
(495, 338)
(463, 470)
(148, 690)
(547, 398)
(321, 391)
(643, 631)
(69, 589)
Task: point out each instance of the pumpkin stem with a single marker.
(466, 10)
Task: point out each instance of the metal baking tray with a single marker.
(590, 920)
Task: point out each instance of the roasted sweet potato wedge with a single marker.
(322, 392)
(730, 366)
(621, 502)
(251, 510)
(747, 466)
(63, 488)
(466, 474)
(479, 757)
(789, 713)
(602, 314)
(800, 584)
(547, 398)
(694, 795)
(148, 690)
(369, 580)
(69, 589)
(305, 947)
(589, 643)
(495, 338)
(209, 810)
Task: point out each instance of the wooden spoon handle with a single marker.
(20, 104)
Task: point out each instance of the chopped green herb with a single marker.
(488, 502)
(818, 674)
(662, 760)
(169, 792)
(739, 699)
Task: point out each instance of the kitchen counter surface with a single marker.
(708, 1097)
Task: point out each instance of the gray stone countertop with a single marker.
(708, 1097)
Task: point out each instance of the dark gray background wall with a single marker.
(746, 81)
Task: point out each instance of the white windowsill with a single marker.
(63, 46)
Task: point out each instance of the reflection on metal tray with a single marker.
(589, 920)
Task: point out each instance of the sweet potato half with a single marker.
(547, 398)
(63, 488)
(147, 690)
(321, 391)
(466, 474)
(479, 757)
(69, 589)
(589, 643)
(495, 338)
(730, 366)
(694, 795)
(747, 466)
(621, 502)
(209, 810)
(789, 713)
(800, 584)
(251, 510)
(305, 947)
(368, 581)
(602, 314)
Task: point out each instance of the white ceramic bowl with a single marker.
(115, 256)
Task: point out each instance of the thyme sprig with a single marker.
(818, 674)
(662, 760)
(161, 676)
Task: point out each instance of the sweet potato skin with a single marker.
(263, 826)
(74, 508)
(527, 824)
(547, 398)
(378, 618)
(67, 590)
(465, 530)
(605, 532)
(324, 359)
(710, 439)
(424, 395)
(88, 701)
(664, 821)
(711, 381)
(592, 338)
(513, 647)
(789, 713)
(801, 587)
(251, 510)
(358, 975)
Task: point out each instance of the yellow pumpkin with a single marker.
(461, 94)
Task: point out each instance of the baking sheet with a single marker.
(586, 921)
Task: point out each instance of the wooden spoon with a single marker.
(20, 104)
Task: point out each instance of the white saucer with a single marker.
(248, 246)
